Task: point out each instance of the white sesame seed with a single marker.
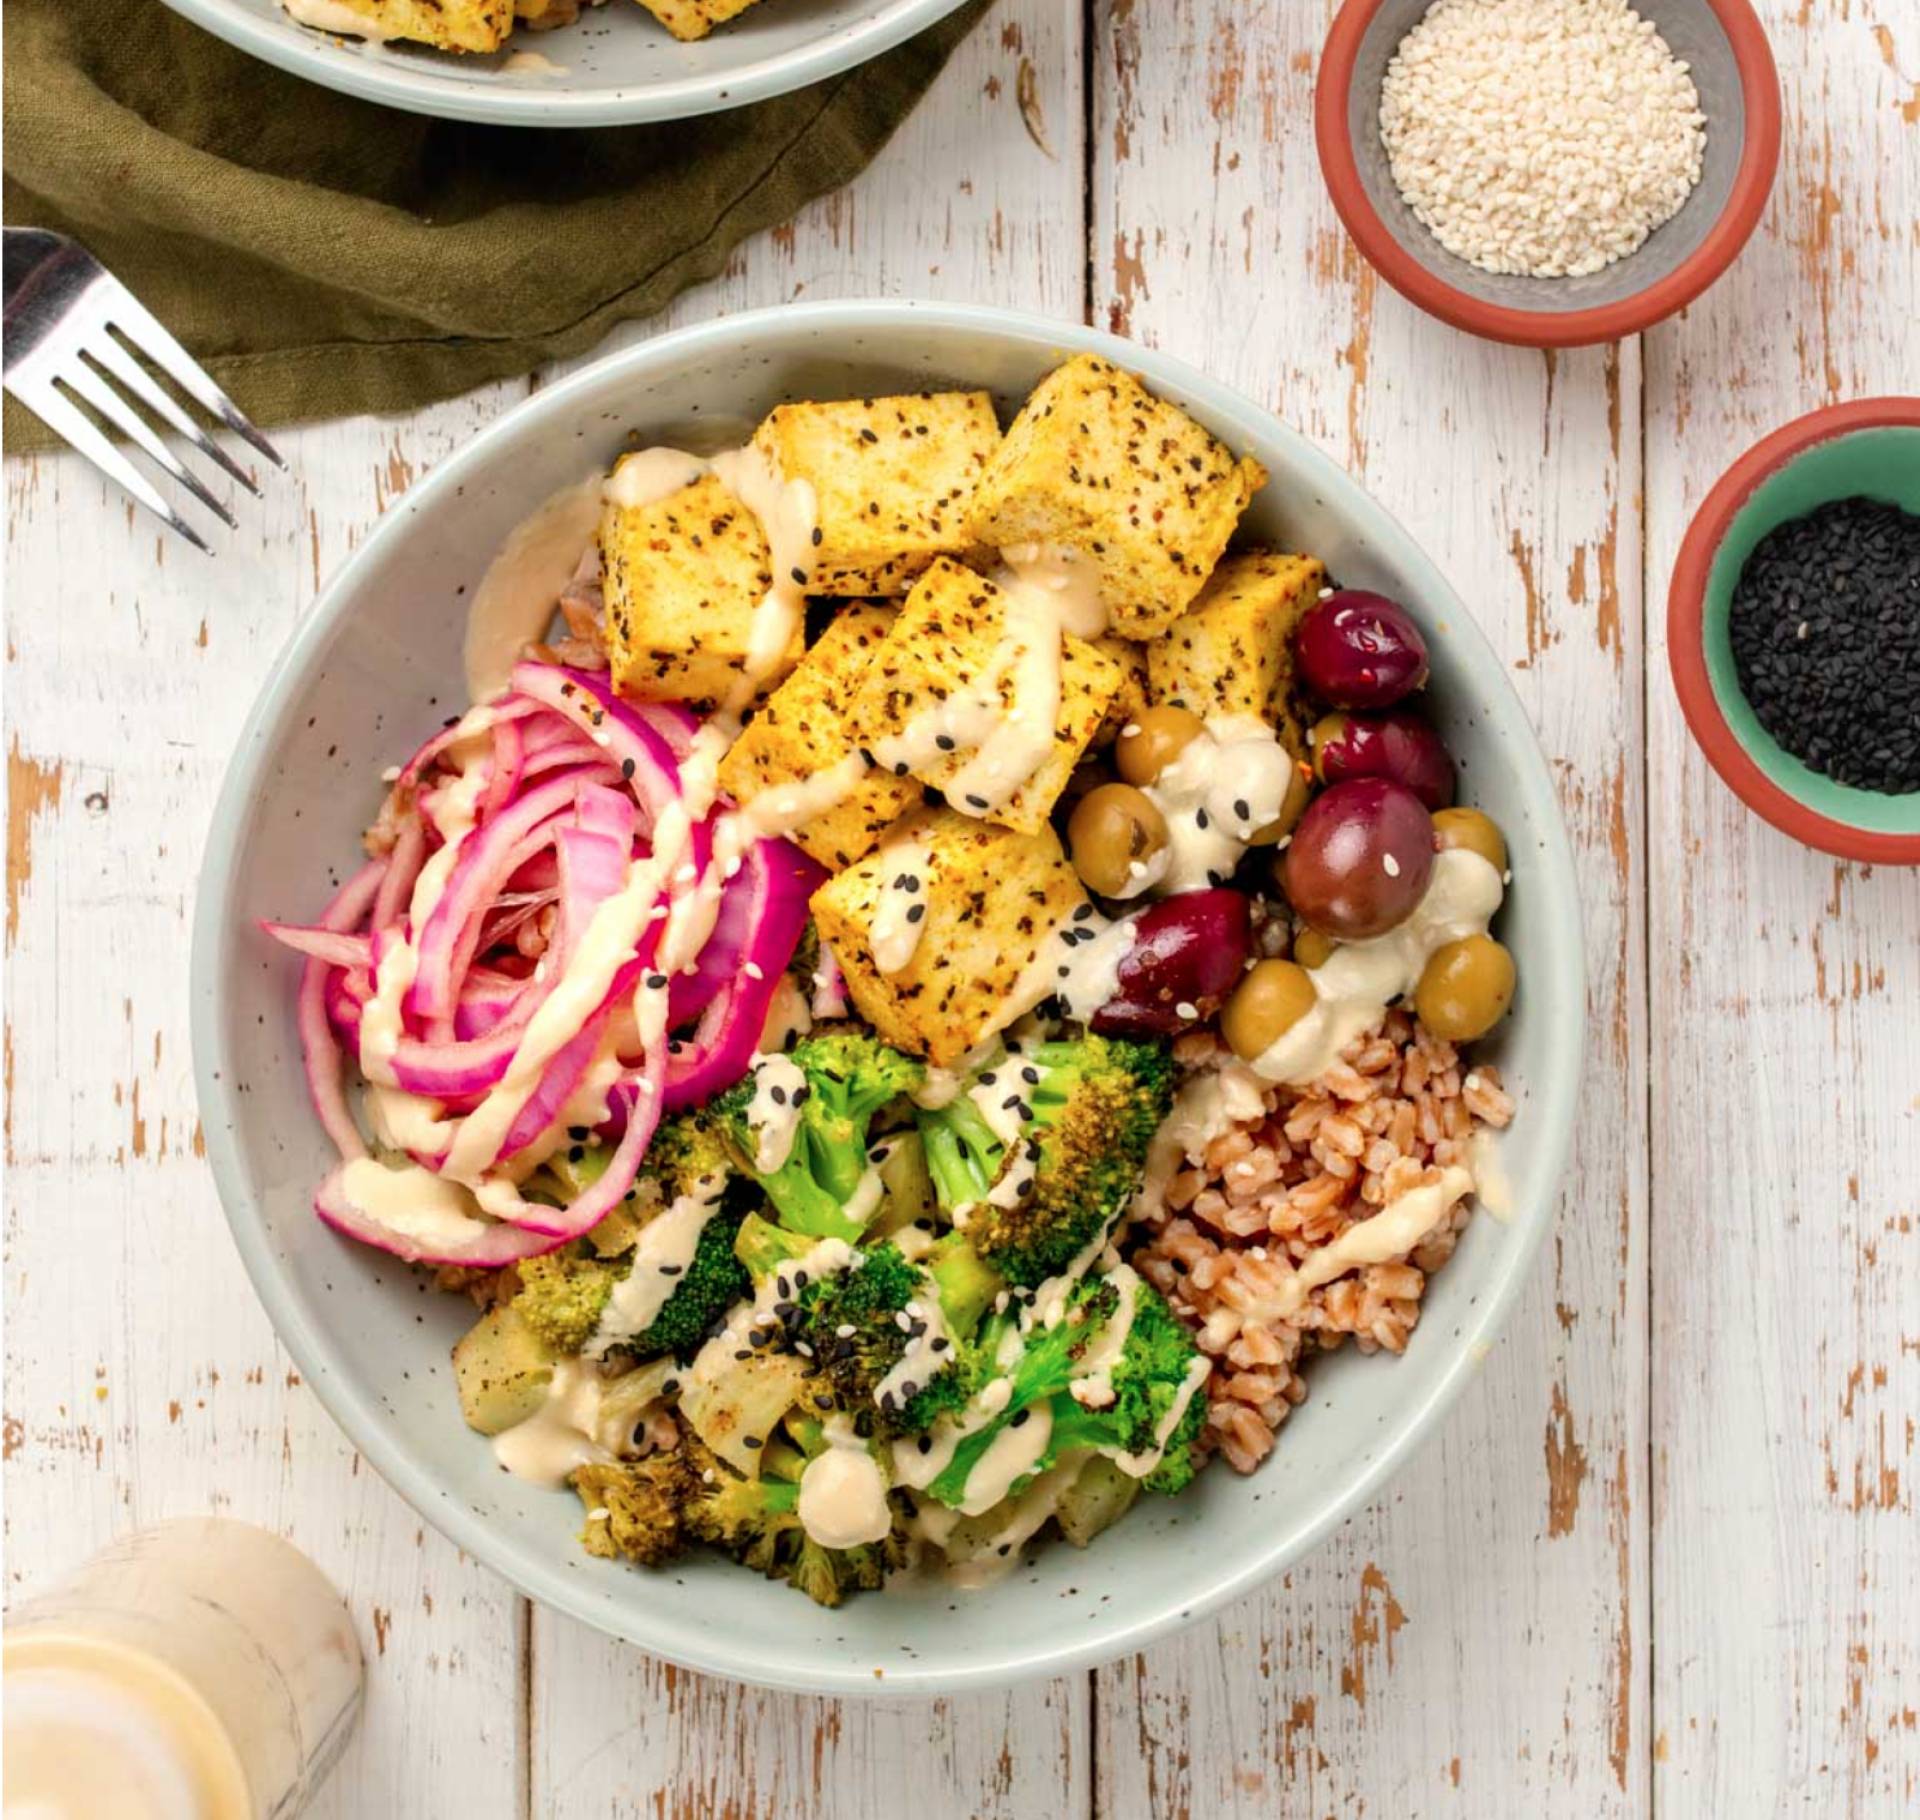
(1391, 865)
(1186, 1010)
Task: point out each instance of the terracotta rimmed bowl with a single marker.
(1870, 447)
(377, 662)
(1726, 47)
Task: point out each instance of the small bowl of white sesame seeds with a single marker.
(1549, 172)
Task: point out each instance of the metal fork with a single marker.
(71, 330)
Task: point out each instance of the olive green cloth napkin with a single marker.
(323, 255)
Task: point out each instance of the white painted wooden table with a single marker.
(1665, 1557)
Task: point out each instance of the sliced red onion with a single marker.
(493, 1243)
(778, 879)
(829, 987)
(641, 751)
(333, 946)
(318, 1050)
(509, 756)
(675, 724)
(409, 853)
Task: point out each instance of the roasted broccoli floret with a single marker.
(848, 1077)
(710, 1285)
(652, 1509)
(763, 1247)
(1147, 1379)
(686, 1153)
(1090, 1106)
(563, 1295)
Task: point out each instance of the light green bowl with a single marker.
(377, 664)
(1870, 448)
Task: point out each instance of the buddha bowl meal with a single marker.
(927, 986)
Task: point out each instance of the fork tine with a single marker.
(61, 415)
(106, 349)
(144, 330)
(97, 392)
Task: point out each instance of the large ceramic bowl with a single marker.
(614, 66)
(378, 663)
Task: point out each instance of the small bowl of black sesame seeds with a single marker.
(1793, 629)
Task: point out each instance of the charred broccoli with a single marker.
(841, 1081)
(653, 1509)
(1090, 1106)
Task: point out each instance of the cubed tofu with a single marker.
(994, 900)
(800, 731)
(1232, 651)
(892, 479)
(1096, 464)
(684, 576)
(1136, 691)
(948, 641)
(448, 25)
(691, 19)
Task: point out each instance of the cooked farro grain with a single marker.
(1265, 1195)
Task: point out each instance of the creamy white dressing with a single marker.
(455, 807)
(1138, 1465)
(789, 1017)
(868, 1193)
(414, 1203)
(1389, 1234)
(406, 1121)
(1355, 984)
(1020, 738)
(1491, 1184)
(900, 917)
(781, 808)
(1014, 1452)
(773, 1113)
(648, 476)
(1228, 782)
(333, 16)
(1206, 1107)
(558, 1438)
(515, 601)
(929, 1346)
(1069, 576)
(843, 1493)
(531, 63)
(1091, 1382)
(661, 1254)
(788, 513)
(1080, 964)
(1000, 1553)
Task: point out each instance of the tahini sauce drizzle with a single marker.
(515, 600)
(1229, 782)
(773, 1113)
(900, 917)
(843, 1493)
(664, 1249)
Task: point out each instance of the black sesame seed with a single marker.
(671, 1270)
(753, 1441)
(915, 912)
(1240, 810)
(944, 741)
(925, 1443)
(778, 1095)
(1020, 1420)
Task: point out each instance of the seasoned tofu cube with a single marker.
(1096, 464)
(1136, 691)
(684, 576)
(994, 901)
(951, 640)
(448, 25)
(1232, 651)
(891, 480)
(691, 19)
(800, 732)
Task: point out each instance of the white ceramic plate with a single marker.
(377, 665)
(615, 66)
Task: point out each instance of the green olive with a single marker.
(1113, 829)
(1311, 948)
(1267, 1003)
(1299, 793)
(1152, 740)
(1327, 731)
(1472, 830)
(1465, 989)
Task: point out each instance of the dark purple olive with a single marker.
(1360, 650)
(1359, 861)
(1397, 745)
(1188, 953)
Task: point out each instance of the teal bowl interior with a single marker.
(1882, 464)
(376, 665)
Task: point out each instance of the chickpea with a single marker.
(1465, 989)
(1268, 1002)
(1299, 792)
(1152, 740)
(1311, 948)
(1474, 831)
(1113, 829)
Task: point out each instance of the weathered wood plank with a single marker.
(977, 199)
(1477, 1642)
(143, 1380)
(1785, 1109)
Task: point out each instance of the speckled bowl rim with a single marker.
(1552, 1097)
(287, 45)
(1686, 631)
(1746, 201)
